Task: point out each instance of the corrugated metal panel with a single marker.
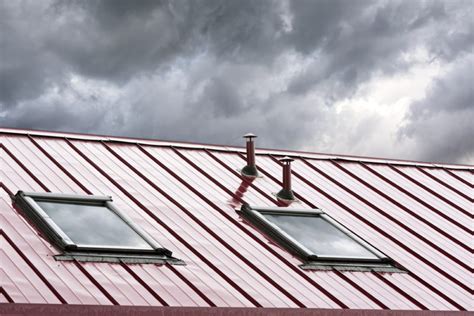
(186, 197)
(451, 181)
(466, 177)
(376, 229)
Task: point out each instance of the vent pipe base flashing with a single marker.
(286, 195)
(249, 171)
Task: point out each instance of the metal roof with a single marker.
(185, 196)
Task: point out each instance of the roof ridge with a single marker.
(225, 148)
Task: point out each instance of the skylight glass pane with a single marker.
(93, 225)
(320, 236)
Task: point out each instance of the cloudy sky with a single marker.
(379, 78)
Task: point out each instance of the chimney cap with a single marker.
(249, 136)
(286, 159)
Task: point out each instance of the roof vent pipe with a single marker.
(250, 170)
(286, 193)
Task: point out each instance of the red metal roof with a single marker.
(185, 196)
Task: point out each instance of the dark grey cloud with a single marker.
(319, 24)
(211, 70)
(362, 41)
(117, 40)
(221, 97)
(441, 124)
(26, 68)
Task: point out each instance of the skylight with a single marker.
(315, 237)
(93, 226)
(80, 224)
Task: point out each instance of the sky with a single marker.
(392, 79)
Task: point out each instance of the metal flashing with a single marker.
(312, 265)
(118, 258)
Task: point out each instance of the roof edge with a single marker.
(105, 310)
(224, 148)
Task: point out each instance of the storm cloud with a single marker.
(382, 78)
(444, 115)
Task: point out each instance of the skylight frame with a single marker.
(256, 216)
(27, 201)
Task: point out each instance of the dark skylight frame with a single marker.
(262, 218)
(39, 206)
